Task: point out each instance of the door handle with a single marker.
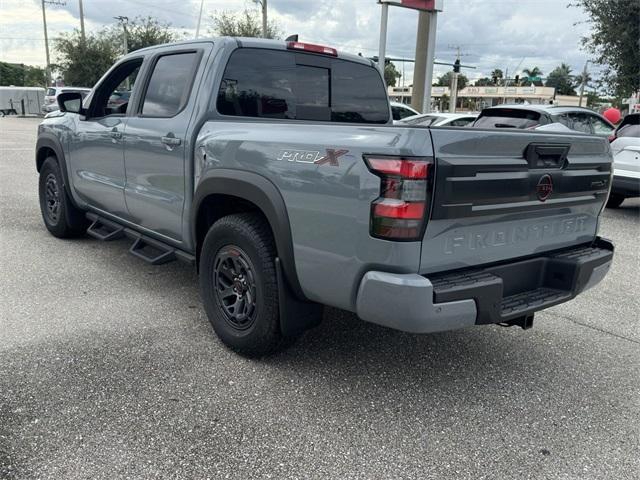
(171, 141)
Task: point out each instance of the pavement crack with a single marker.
(601, 330)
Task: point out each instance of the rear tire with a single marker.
(61, 217)
(615, 200)
(239, 287)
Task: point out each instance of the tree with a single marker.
(613, 43)
(82, 62)
(484, 82)
(22, 75)
(245, 24)
(497, 74)
(532, 75)
(532, 72)
(561, 79)
(445, 80)
(142, 32)
(391, 74)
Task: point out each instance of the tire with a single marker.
(239, 286)
(615, 200)
(60, 216)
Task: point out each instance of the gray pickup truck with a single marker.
(275, 169)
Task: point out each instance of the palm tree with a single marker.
(562, 80)
(497, 73)
(532, 72)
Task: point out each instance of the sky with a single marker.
(506, 34)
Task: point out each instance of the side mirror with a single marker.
(70, 102)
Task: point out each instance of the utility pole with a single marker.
(199, 18)
(46, 37)
(263, 4)
(81, 20)
(46, 43)
(584, 80)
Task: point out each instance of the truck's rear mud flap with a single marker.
(295, 316)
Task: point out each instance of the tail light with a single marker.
(612, 137)
(401, 210)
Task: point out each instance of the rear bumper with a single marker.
(627, 186)
(495, 294)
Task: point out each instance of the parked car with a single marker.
(50, 99)
(402, 110)
(436, 119)
(625, 145)
(275, 168)
(119, 100)
(532, 116)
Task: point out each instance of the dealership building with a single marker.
(477, 98)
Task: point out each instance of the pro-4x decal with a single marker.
(313, 156)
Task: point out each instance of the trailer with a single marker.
(21, 100)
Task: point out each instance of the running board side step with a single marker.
(148, 249)
(151, 251)
(104, 229)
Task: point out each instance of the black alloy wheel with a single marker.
(235, 286)
(52, 198)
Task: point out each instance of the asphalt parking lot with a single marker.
(110, 369)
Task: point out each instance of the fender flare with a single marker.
(48, 140)
(260, 191)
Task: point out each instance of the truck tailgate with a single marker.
(507, 194)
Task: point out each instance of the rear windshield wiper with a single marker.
(504, 125)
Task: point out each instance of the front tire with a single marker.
(615, 200)
(239, 285)
(61, 217)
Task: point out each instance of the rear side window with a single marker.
(400, 112)
(600, 127)
(580, 122)
(629, 131)
(170, 84)
(461, 122)
(297, 86)
(630, 127)
(51, 92)
(507, 118)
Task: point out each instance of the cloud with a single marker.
(506, 34)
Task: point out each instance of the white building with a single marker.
(477, 98)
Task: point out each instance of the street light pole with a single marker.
(199, 18)
(264, 18)
(263, 4)
(125, 44)
(124, 21)
(81, 20)
(382, 46)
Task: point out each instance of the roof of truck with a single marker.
(252, 42)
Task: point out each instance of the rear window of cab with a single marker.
(507, 118)
(299, 86)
